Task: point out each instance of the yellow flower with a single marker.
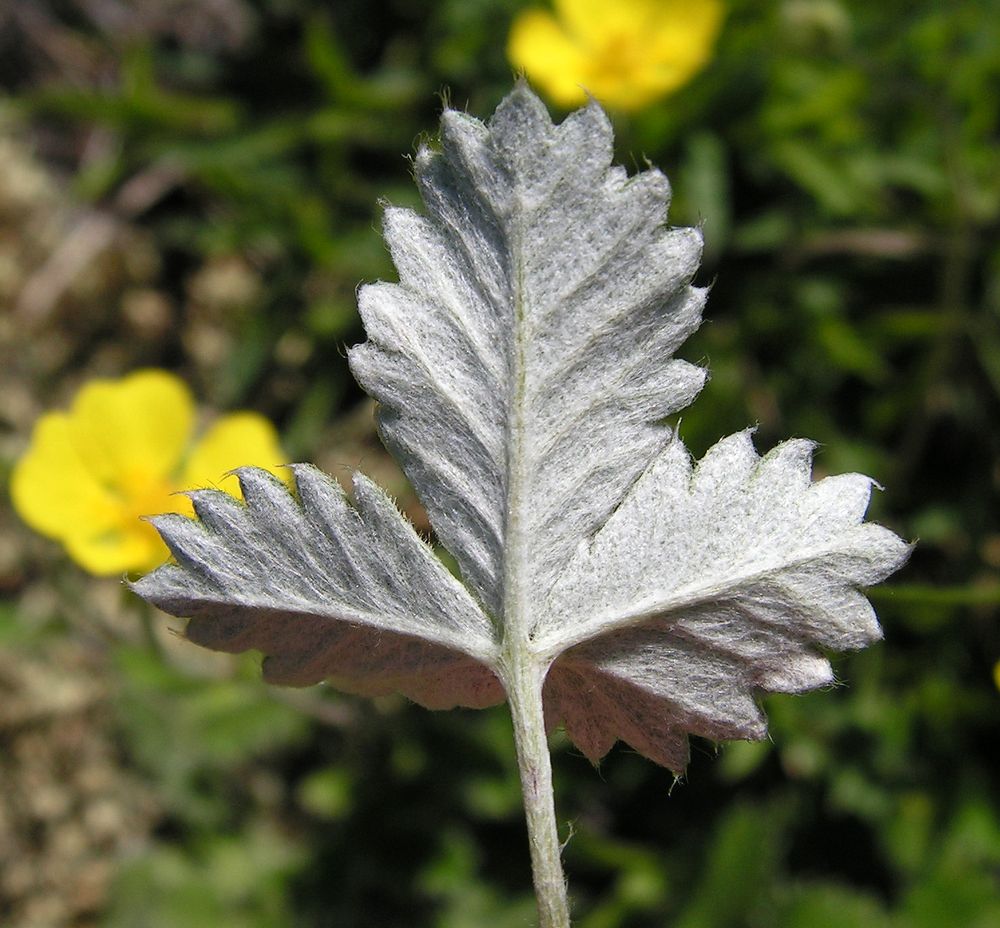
(627, 54)
(123, 451)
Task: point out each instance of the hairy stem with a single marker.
(524, 689)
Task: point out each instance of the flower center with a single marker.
(619, 57)
(143, 494)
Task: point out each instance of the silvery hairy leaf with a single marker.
(523, 366)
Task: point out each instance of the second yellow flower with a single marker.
(124, 450)
(627, 54)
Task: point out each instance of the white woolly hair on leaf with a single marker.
(523, 366)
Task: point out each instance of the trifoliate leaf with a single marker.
(523, 365)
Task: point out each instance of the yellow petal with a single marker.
(548, 56)
(131, 547)
(234, 441)
(52, 488)
(88, 475)
(683, 41)
(592, 22)
(133, 432)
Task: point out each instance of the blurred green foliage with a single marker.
(844, 161)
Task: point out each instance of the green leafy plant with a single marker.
(524, 368)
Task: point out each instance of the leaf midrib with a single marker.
(550, 645)
(515, 610)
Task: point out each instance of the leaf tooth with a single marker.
(463, 135)
(682, 382)
(618, 350)
(658, 264)
(450, 281)
(598, 709)
(275, 519)
(521, 131)
(816, 603)
(730, 461)
(622, 409)
(405, 352)
(839, 501)
(190, 544)
(876, 553)
(263, 492)
(216, 510)
(381, 517)
(684, 318)
(652, 186)
(589, 717)
(607, 358)
(668, 747)
(587, 132)
(167, 588)
(333, 522)
(796, 673)
(666, 481)
(383, 533)
(227, 522)
(468, 162)
(786, 468)
(322, 498)
(649, 725)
